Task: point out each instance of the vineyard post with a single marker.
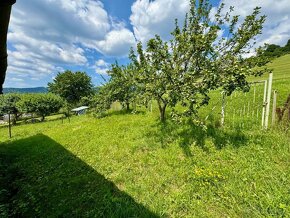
(264, 103)
(268, 100)
(274, 107)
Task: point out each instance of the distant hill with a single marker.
(25, 90)
(273, 50)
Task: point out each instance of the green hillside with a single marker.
(281, 67)
(130, 165)
(25, 90)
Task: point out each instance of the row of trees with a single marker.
(195, 61)
(273, 50)
(69, 89)
(40, 104)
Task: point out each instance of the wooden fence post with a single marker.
(264, 103)
(268, 100)
(274, 108)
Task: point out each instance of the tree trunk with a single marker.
(42, 118)
(127, 106)
(162, 110)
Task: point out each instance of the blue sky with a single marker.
(49, 36)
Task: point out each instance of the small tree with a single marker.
(155, 73)
(205, 62)
(103, 99)
(8, 104)
(71, 86)
(197, 61)
(122, 84)
(41, 104)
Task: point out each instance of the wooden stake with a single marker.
(268, 100)
(264, 103)
(274, 108)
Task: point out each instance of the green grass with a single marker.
(130, 165)
(280, 67)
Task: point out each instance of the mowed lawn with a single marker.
(131, 165)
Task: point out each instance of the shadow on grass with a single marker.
(222, 138)
(189, 134)
(39, 178)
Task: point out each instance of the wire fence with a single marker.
(249, 110)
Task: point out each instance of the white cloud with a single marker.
(49, 34)
(101, 67)
(156, 17)
(61, 20)
(277, 26)
(117, 42)
(101, 63)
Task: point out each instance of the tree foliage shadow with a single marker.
(40, 178)
(221, 137)
(189, 133)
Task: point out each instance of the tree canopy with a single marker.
(208, 52)
(40, 104)
(71, 86)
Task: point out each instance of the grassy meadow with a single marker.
(131, 165)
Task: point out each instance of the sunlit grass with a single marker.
(171, 170)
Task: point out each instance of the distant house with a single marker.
(80, 110)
